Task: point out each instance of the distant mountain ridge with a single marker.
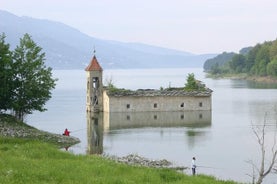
(68, 48)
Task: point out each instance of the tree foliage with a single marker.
(192, 84)
(259, 60)
(237, 63)
(219, 60)
(272, 67)
(245, 50)
(31, 80)
(5, 74)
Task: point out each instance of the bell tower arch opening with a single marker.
(94, 86)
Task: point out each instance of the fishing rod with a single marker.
(207, 167)
(184, 168)
(77, 130)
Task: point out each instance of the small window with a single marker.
(128, 106)
(200, 116)
(182, 116)
(200, 104)
(155, 105)
(128, 117)
(182, 105)
(155, 116)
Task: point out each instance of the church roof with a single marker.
(166, 92)
(94, 65)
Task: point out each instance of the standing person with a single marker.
(193, 166)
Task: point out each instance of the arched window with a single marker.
(95, 100)
(95, 83)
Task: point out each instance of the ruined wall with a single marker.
(155, 103)
(106, 102)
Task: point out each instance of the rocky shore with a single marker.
(137, 160)
(10, 127)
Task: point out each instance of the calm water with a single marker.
(222, 140)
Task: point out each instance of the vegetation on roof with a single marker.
(193, 87)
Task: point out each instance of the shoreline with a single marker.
(267, 79)
(243, 76)
(11, 128)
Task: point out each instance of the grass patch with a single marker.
(28, 161)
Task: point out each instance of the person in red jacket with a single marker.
(66, 132)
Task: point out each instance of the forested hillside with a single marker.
(219, 60)
(260, 60)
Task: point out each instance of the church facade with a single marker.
(101, 99)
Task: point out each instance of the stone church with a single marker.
(101, 99)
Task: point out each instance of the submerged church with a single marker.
(102, 99)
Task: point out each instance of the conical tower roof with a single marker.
(94, 65)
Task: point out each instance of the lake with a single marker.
(222, 141)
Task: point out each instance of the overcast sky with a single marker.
(197, 26)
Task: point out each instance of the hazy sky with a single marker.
(197, 26)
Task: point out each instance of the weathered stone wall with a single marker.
(106, 102)
(155, 103)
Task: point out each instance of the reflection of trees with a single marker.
(194, 135)
(95, 133)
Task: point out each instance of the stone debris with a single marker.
(134, 159)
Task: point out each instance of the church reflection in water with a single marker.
(95, 133)
(98, 123)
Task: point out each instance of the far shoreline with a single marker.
(244, 76)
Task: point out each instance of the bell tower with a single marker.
(94, 86)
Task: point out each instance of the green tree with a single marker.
(5, 75)
(261, 60)
(192, 84)
(273, 50)
(250, 60)
(237, 64)
(272, 67)
(215, 69)
(33, 80)
(220, 60)
(244, 51)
